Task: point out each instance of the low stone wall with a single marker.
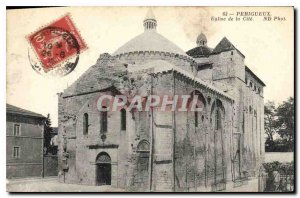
(50, 165)
(22, 170)
(279, 156)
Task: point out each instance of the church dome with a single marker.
(202, 50)
(150, 40)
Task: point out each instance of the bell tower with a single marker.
(150, 22)
(201, 40)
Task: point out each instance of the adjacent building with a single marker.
(210, 150)
(24, 143)
(53, 145)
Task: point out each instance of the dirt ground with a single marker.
(250, 186)
(52, 185)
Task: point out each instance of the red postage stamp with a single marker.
(57, 43)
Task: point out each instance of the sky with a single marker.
(267, 45)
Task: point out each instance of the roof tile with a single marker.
(17, 110)
(225, 45)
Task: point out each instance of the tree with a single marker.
(286, 122)
(47, 133)
(271, 126)
(281, 121)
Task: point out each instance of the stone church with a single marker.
(211, 150)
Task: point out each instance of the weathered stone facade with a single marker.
(156, 150)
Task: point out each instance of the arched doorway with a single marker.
(103, 169)
(143, 150)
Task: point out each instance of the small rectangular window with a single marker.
(85, 124)
(103, 122)
(123, 119)
(16, 152)
(196, 119)
(218, 119)
(16, 130)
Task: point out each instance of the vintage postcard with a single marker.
(150, 99)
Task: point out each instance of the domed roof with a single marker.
(200, 51)
(149, 41)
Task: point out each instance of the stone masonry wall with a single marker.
(229, 69)
(204, 155)
(193, 146)
(228, 64)
(76, 100)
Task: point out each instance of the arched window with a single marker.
(143, 146)
(218, 119)
(103, 121)
(201, 103)
(85, 124)
(217, 113)
(201, 99)
(123, 119)
(103, 158)
(208, 99)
